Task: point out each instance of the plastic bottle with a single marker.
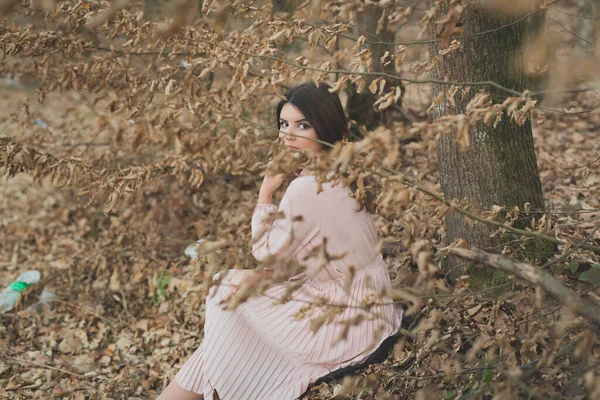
(10, 295)
(46, 299)
(192, 250)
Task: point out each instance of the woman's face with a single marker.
(294, 128)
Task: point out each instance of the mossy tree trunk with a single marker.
(499, 166)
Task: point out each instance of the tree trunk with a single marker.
(360, 105)
(285, 6)
(536, 73)
(152, 9)
(499, 166)
(587, 25)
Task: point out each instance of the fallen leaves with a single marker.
(73, 341)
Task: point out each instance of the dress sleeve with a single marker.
(283, 231)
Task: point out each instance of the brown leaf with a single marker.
(448, 26)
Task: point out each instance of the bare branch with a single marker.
(571, 32)
(22, 361)
(534, 276)
(359, 73)
(492, 222)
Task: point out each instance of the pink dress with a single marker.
(265, 351)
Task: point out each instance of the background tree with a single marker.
(587, 24)
(536, 64)
(371, 22)
(283, 6)
(498, 166)
(153, 9)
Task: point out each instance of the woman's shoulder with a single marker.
(305, 184)
(309, 185)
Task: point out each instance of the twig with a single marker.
(591, 289)
(20, 360)
(428, 41)
(565, 113)
(572, 33)
(408, 43)
(568, 253)
(586, 165)
(146, 53)
(390, 76)
(519, 20)
(108, 321)
(537, 316)
(491, 221)
(360, 73)
(535, 276)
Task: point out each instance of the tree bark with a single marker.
(499, 166)
(152, 9)
(536, 76)
(587, 25)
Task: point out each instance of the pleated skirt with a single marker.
(267, 351)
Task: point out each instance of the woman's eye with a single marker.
(283, 124)
(304, 126)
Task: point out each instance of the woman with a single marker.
(265, 351)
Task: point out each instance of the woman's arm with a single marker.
(295, 223)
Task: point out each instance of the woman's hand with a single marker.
(269, 185)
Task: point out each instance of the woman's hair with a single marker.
(322, 109)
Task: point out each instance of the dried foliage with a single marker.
(125, 140)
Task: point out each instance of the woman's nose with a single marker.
(285, 136)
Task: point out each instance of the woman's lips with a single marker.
(292, 147)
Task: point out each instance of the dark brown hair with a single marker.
(322, 109)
